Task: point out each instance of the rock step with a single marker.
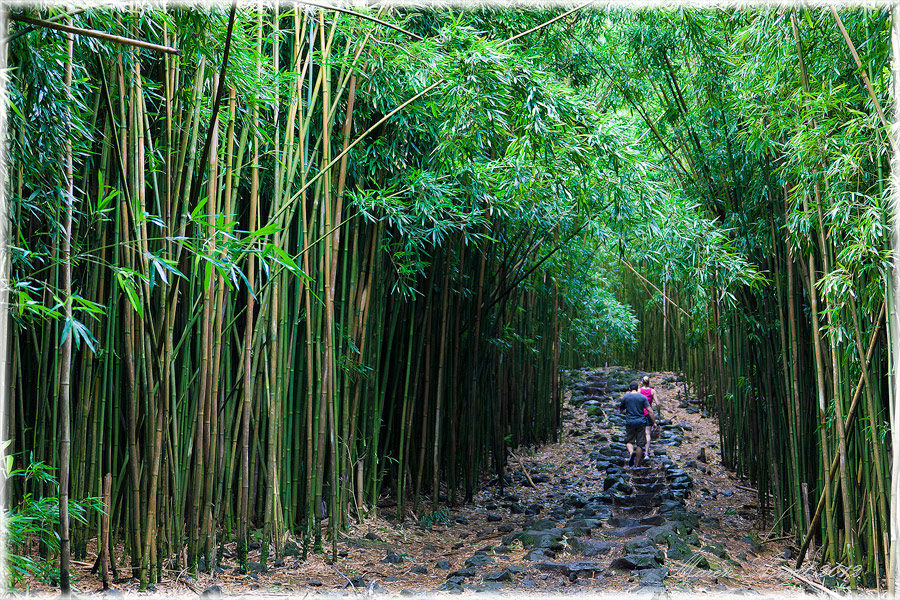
(648, 500)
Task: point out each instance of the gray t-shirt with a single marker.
(634, 404)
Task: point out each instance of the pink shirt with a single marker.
(648, 393)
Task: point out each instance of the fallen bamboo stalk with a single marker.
(93, 33)
(524, 469)
(810, 583)
(775, 539)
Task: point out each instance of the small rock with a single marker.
(255, 567)
(678, 549)
(373, 537)
(634, 562)
(479, 560)
(492, 518)
(392, 558)
(540, 554)
(314, 583)
(419, 570)
(653, 576)
(453, 588)
(717, 549)
(279, 562)
(588, 547)
(376, 588)
(442, 564)
(504, 576)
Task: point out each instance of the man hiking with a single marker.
(633, 405)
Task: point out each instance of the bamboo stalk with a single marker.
(93, 33)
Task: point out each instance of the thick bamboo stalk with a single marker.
(66, 350)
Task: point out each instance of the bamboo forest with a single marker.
(311, 298)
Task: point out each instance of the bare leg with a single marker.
(638, 456)
(630, 448)
(647, 445)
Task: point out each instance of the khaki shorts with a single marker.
(635, 435)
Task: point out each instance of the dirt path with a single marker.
(678, 526)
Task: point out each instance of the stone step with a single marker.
(646, 479)
(649, 488)
(644, 500)
(635, 512)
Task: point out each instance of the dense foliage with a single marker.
(350, 263)
(769, 127)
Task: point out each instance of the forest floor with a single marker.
(677, 527)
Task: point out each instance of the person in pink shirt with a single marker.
(653, 400)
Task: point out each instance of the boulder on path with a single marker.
(716, 549)
(661, 534)
(291, 549)
(541, 539)
(504, 576)
(633, 562)
(628, 531)
(678, 549)
(540, 554)
(255, 567)
(653, 576)
(580, 568)
(589, 548)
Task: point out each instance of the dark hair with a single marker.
(633, 386)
